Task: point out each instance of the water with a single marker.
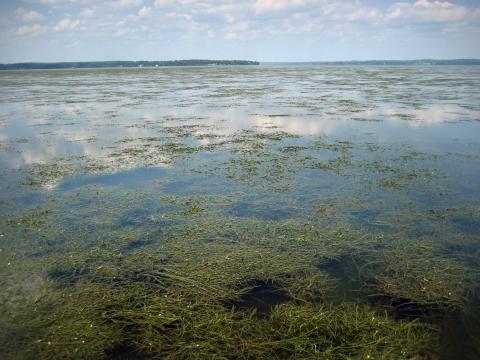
(157, 200)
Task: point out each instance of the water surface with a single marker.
(180, 212)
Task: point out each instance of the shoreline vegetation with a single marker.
(121, 64)
(198, 62)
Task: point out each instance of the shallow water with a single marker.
(178, 189)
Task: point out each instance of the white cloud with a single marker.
(254, 19)
(59, 2)
(161, 3)
(121, 32)
(272, 16)
(361, 14)
(34, 29)
(26, 16)
(126, 3)
(66, 24)
(262, 6)
(230, 18)
(427, 11)
(144, 11)
(128, 19)
(87, 12)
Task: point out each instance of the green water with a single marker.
(303, 212)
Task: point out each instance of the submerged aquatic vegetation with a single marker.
(162, 311)
(184, 290)
(281, 214)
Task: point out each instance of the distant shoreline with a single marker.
(121, 64)
(194, 62)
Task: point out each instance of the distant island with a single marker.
(120, 64)
(388, 62)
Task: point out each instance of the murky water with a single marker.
(239, 212)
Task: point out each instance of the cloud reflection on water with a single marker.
(41, 123)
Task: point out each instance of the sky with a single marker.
(263, 30)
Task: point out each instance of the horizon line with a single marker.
(245, 60)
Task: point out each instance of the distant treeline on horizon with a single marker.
(120, 64)
(134, 64)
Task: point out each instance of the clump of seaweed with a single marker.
(152, 319)
(409, 284)
(437, 285)
(259, 296)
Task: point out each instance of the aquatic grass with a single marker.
(203, 267)
(71, 330)
(369, 244)
(164, 313)
(431, 282)
(168, 326)
(411, 280)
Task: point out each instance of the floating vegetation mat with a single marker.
(240, 213)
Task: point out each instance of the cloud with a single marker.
(144, 11)
(272, 17)
(87, 12)
(262, 6)
(231, 36)
(59, 2)
(126, 3)
(27, 16)
(361, 14)
(121, 32)
(427, 11)
(312, 24)
(66, 24)
(162, 3)
(34, 30)
(284, 17)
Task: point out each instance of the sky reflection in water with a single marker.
(263, 158)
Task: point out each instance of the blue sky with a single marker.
(264, 30)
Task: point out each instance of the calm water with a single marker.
(139, 204)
